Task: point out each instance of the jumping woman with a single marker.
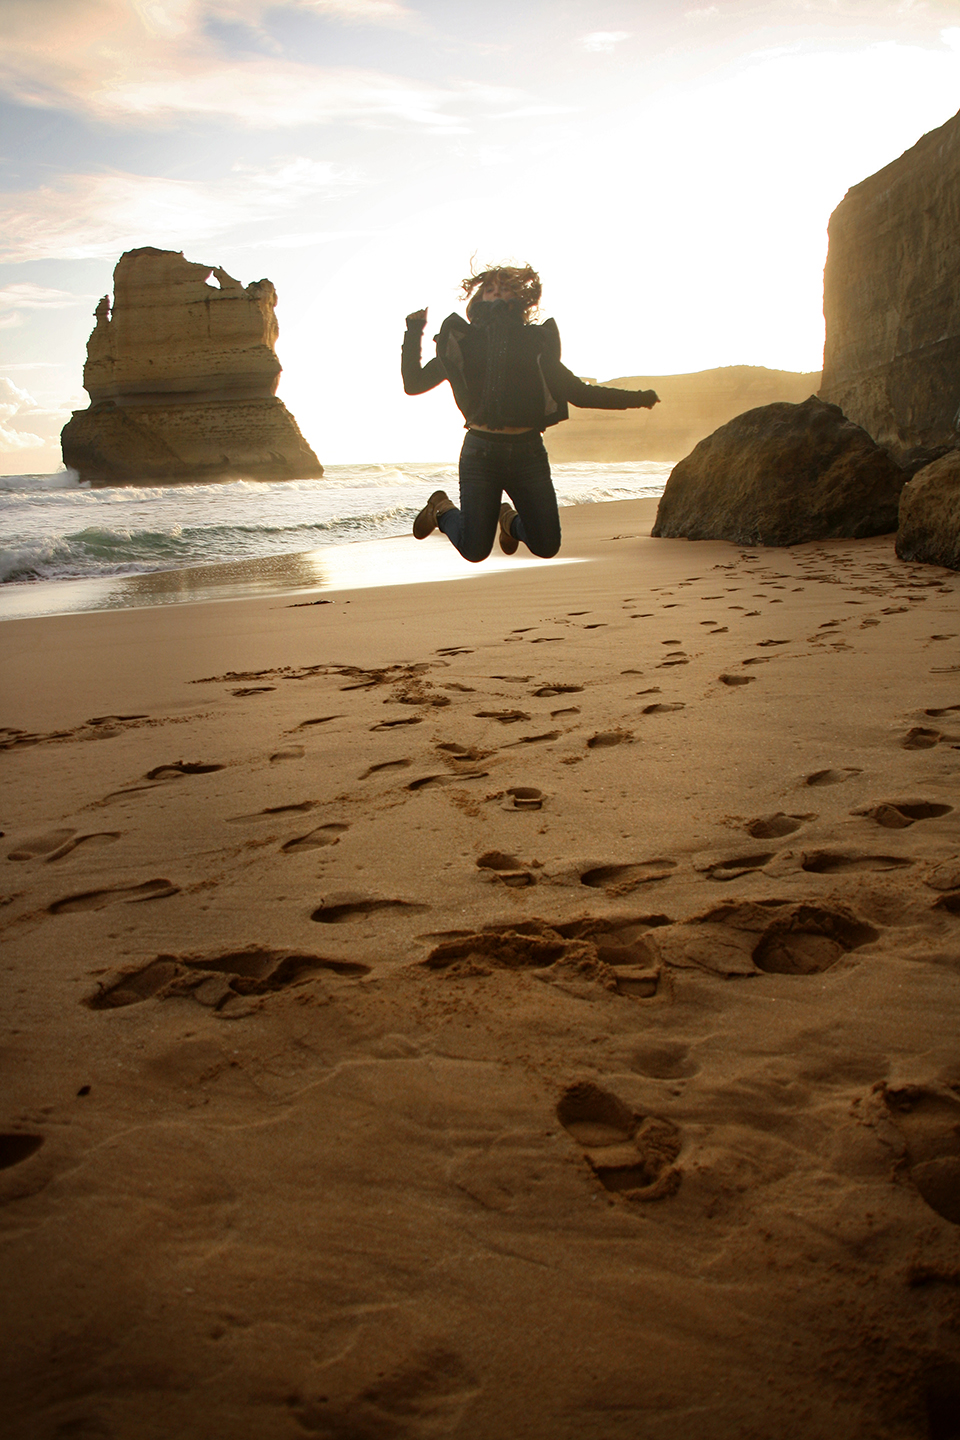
(508, 381)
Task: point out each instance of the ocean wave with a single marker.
(33, 484)
(99, 550)
(51, 528)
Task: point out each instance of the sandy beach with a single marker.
(413, 1032)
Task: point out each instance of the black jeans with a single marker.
(490, 465)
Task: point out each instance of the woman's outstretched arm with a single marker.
(418, 378)
(595, 397)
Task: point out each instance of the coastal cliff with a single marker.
(692, 407)
(892, 299)
(182, 377)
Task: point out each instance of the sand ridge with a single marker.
(413, 1032)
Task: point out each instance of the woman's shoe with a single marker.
(508, 542)
(426, 522)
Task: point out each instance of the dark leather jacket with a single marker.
(536, 387)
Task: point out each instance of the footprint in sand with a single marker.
(17, 1146)
(832, 777)
(384, 765)
(48, 844)
(740, 937)
(928, 1120)
(664, 709)
(580, 956)
(772, 827)
(162, 775)
(807, 939)
(299, 807)
(605, 738)
(900, 814)
(182, 767)
(216, 981)
(558, 690)
(726, 679)
(460, 753)
(507, 869)
(832, 862)
(632, 1155)
(392, 724)
(738, 866)
(434, 782)
(506, 717)
(95, 839)
(315, 839)
(621, 879)
(339, 909)
(320, 720)
(534, 739)
(668, 1060)
(523, 797)
(128, 894)
(922, 737)
(292, 752)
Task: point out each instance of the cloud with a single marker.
(84, 216)
(299, 239)
(11, 439)
(153, 60)
(15, 403)
(265, 94)
(604, 41)
(38, 297)
(361, 12)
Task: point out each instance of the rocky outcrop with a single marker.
(930, 514)
(182, 375)
(891, 298)
(781, 475)
(691, 407)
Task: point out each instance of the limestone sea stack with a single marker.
(781, 475)
(892, 300)
(182, 377)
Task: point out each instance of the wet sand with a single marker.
(413, 1031)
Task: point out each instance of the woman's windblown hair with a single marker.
(521, 280)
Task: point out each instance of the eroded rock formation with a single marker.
(781, 475)
(182, 378)
(692, 407)
(930, 514)
(891, 299)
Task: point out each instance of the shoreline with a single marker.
(397, 979)
(354, 565)
(163, 549)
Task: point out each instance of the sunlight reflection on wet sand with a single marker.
(398, 561)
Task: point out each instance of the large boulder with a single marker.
(930, 514)
(781, 475)
(182, 375)
(891, 300)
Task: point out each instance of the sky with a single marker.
(669, 166)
